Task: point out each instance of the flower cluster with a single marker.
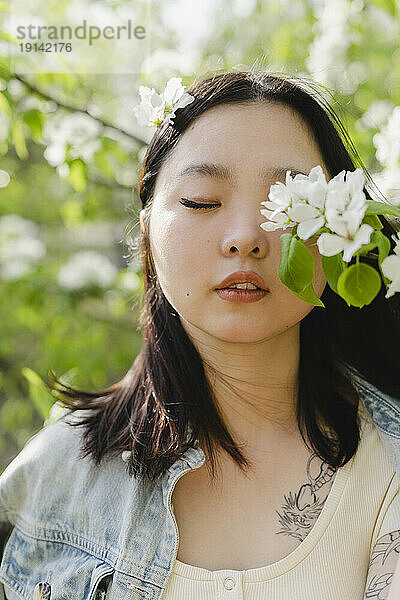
(345, 221)
(155, 108)
(391, 267)
(311, 202)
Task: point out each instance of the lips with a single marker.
(243, 277)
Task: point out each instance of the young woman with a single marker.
(271, 407)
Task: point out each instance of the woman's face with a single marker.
(194, 250)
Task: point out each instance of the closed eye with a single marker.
(196, 205)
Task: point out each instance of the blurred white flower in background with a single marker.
(129, 281)
(165, 63)
(388, 181)
(16, 88)
(327, 61)
(78, 130)
(20, 246)
(387, 141)
(190, 24)
(375, 115)
(387, 144)
(4, 178)
(87, 267)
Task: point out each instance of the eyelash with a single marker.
(197, 205)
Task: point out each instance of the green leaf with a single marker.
(333, 267)
(18, 138)
(296, 266)
(386, 5)
(5, 67)
(296, 269)
(377, 240)
(77, 174)
(383, 244)
(359, 284)
(373, 220)
(365, 248)
(34, 118)
(381, 208)
(38, 392)
(4, 104)
(308, 295)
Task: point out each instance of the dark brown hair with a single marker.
(165, 401)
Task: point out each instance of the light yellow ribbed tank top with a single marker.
(331, 563)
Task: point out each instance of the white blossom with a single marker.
(85, 268)
(156, 108)
(391, 268)
(346, 202)
(345, 208)
(300, 200)
(330, 244)
(309, 202)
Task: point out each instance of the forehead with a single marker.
(249, 139)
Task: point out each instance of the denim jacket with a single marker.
(71, 530)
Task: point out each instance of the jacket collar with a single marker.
(385, 413)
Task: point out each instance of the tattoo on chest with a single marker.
(301, 510)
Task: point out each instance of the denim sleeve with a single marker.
(5, 531)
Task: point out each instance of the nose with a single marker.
(245, 239)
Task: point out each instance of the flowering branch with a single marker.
(347, 225)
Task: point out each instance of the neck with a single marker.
(255, 384)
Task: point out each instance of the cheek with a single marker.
(178, 252)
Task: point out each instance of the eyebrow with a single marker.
(223, 172)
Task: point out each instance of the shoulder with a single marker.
(49, 475)
(383, 407)
(52, 446)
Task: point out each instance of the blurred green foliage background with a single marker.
(69, 295)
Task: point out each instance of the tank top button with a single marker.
(229, 583)
(126, 454)
(42, 591)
